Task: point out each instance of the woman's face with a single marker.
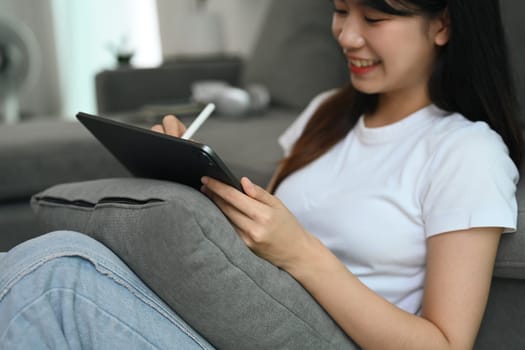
(386, 53)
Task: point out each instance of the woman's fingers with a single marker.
(256, 192)
(244, 237)
(242, 224)
(233, 213)
(242, 202)
(261, 220)
(171, 126)
(158, 128)
(252, 217)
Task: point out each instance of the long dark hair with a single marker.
(471, 76)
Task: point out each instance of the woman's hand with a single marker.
(170, 126)
(262, 221)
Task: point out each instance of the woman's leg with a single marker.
(65, 290)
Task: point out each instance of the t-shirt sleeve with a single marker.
(472, 184)
(294, 131)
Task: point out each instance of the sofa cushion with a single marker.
(35, 155)
(296, 56)
(510, 261)
(182, 246)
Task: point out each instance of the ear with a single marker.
(441, 28)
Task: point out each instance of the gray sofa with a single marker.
(38, 154)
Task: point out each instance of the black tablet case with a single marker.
(149, 154)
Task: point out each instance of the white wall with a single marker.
(88, 36)
(241, 21)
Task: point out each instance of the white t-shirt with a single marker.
(376, 196)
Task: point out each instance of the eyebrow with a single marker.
(364, 3)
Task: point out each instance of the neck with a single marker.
(393, 107)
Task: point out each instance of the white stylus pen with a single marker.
(201, 118)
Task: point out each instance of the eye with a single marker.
(371, 15)
(374, 20)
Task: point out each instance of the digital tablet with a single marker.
(149, 154)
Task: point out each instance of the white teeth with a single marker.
(363, 63)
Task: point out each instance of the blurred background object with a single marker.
(196, 32)
(73, 38)
(19, 65)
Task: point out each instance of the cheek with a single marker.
(402, 49)
(384, 47)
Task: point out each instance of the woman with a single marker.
(398, 236)
(415, 169)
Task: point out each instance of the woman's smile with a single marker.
(362, 66)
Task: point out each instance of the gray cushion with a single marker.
(296, 56)
(510, 261)
(182, 246)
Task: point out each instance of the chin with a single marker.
(366, 89)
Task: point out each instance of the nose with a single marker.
(349, 34)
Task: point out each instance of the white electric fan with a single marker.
(18, 65)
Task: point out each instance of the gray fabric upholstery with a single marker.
(17, 224)
(510, 261)
(502, 326)
(36, 155)
(182, 246)
(296, 56)
(129, 89)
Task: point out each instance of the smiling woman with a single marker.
(87, 35)
(391, 51)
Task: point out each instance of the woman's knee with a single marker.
(61, 286)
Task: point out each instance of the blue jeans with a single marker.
(65, 290)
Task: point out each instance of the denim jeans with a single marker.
(65, 290)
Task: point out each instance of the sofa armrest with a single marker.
(129, 89)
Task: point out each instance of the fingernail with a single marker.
(248, 183)
(204, 180)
